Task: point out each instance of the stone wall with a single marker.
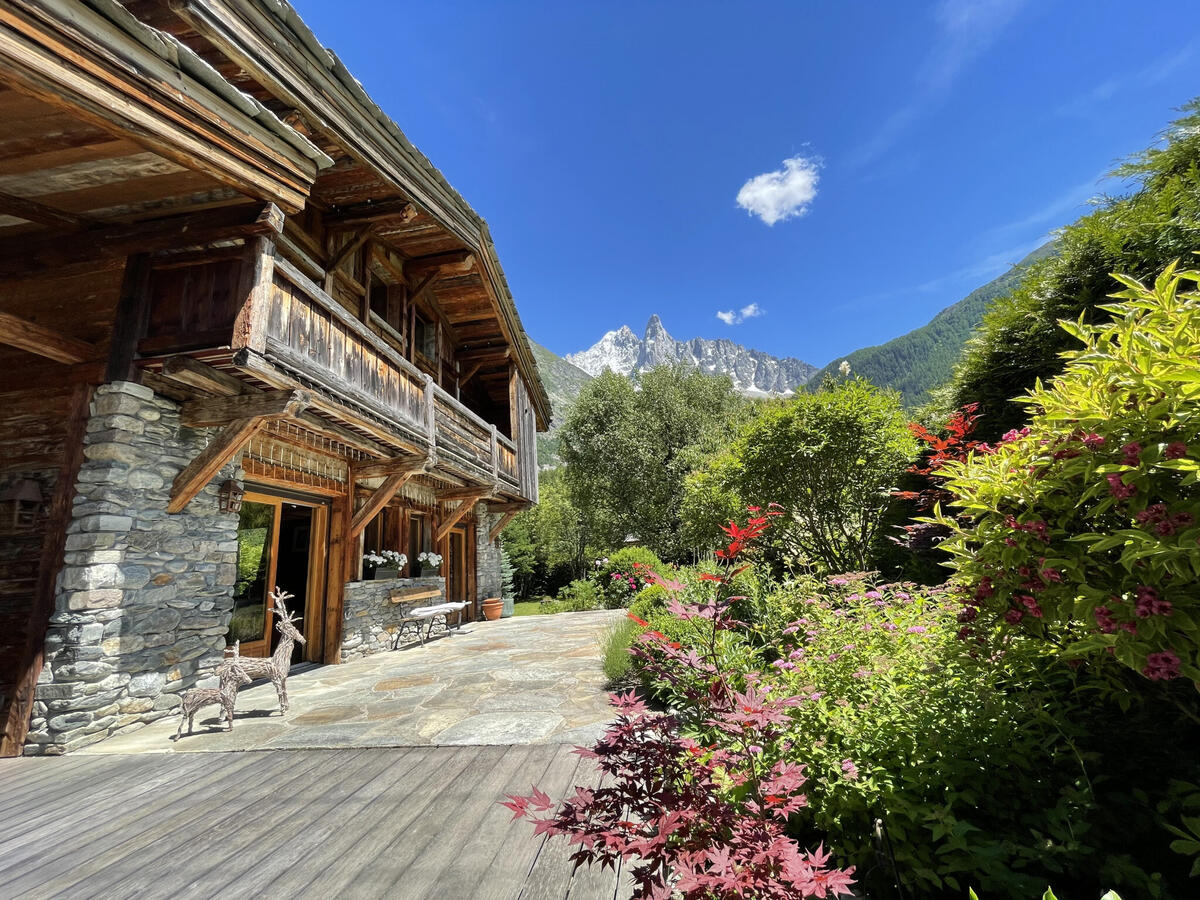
(371, 619)
(487, 558)
(144, 599)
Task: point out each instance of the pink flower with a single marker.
(917, 629)
(1093, 441)
(1013, 616)
(1161, 666)
(1119, 488)
(849, 770)
(1131, 454)
(1013, 435)
(1104, 618)
(1149, 603)
(1175, 450)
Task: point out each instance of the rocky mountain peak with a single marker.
(753, 372)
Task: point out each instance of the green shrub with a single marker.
(1083, 528)
(619, 576)
(579, 595)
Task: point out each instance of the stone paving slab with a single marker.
(523, 680)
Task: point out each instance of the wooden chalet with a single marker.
(226, 277)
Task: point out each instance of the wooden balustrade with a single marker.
(309, 332)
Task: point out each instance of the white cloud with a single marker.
(784, 193)
(738, 316)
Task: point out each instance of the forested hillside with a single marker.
(563, 383)
(924, 358)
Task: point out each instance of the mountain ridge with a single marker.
(754, 372)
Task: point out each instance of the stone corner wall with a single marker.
(371, 620)
(144, 598)
(488, 577)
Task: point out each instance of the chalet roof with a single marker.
(312, 79)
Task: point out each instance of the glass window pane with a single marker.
(256, 523)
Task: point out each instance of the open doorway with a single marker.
(281, 542)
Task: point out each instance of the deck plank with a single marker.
(417, 822)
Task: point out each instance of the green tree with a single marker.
(548, 543)
(628, 449)
(830, 459)
(1138, 234)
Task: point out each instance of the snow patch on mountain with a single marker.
(753, 372)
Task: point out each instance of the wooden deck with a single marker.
(419, 822)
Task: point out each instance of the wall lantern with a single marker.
(21, 503)
(229, 497)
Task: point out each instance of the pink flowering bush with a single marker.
(702, 821)
(1084, 528)
(621, 576)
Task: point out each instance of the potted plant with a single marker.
(428, 563)
(382, 564)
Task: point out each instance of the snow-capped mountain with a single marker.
(752, 371)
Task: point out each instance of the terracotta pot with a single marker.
(492, 608)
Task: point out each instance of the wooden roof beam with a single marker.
(505, 518)
(18, 332)
(348, 249)
(456, 262)
(200, 471)
(21, 254)
(349, 217)
(474, 491)
(40, 214)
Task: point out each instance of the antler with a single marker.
(278, 596)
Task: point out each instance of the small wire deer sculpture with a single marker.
(231, 677)
(277, 665)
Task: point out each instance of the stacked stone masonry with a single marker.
(487, 557)
(144, 599)
(372, 620)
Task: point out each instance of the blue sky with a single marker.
(888, 158)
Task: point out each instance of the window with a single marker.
(425, 338)
(418, 536)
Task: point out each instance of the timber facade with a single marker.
(247, 332)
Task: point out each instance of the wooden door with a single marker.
(279, 537)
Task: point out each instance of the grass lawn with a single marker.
(526, 608)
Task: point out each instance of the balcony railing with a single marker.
(307, 331)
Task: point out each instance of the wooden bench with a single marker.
(413, 613)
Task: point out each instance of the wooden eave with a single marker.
(102, 66)
(275, 49)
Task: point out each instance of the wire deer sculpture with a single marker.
(231, 677)
(277, 665)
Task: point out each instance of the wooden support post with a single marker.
(132, 317)
(495, 454)
(339, 572)
(201, 470)
(223, 410)
(461, 510)
(364, 235)
(18, 332)
(250, 326)
(430, 417)
(378, 500)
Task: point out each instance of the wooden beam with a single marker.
(400, 465)
(189, 371)
(223, 410)
(18, 332)
(25, 253)
(422, 286)
(456, 262)
(255, 289)
(378, 500)
(498, 354)
(507, 517)
(462, 493)
(470, 373)
(40, 214)
(201, 470)
(131, 319)
(370, 213)
(364, 235)
(459, 511)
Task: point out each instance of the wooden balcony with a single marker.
(289, 333)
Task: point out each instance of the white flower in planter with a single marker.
(430, 560)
